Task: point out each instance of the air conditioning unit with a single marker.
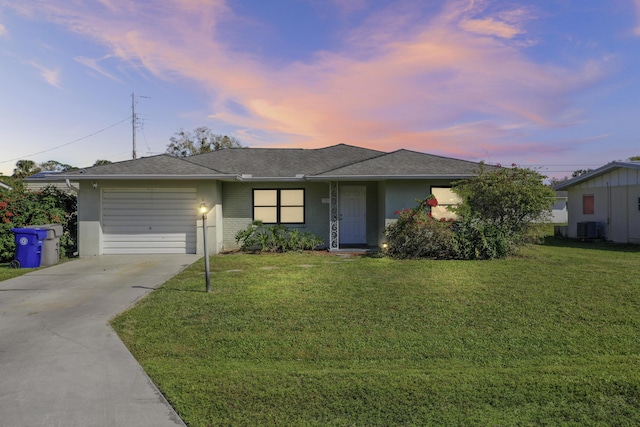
(589, 230)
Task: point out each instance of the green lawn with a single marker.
(549, 338)
(6, 272)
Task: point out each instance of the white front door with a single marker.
(353, 218)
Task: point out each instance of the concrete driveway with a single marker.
(61, 364)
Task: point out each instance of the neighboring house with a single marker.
(346, 195)
(559, 213)
(605, 203)
(43, 179)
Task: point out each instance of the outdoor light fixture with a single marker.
(385, 245)
(203, 211)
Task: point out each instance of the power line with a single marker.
(68, 143)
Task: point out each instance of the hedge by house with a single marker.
(20, 208)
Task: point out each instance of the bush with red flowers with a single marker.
(416, 234)
(501, 211)
(21, 208)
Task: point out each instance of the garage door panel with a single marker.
(141, 206)
(149, 221)
(142, 209)
(142, 233)
(163, 221)
(145, 243)
(137, 251)
(145, 247)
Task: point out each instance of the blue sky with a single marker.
(550, 84)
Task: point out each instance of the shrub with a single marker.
(275, 238)
(21, 208)
(477, 239)
(512, 199)
(501, 210)
(417, 235)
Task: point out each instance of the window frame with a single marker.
(449, 214)
(278, 205)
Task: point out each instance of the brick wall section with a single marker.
(237, 210)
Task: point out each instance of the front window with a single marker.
(588, 204)
(278, 206)
(446, 198)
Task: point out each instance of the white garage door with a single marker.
(149, 221)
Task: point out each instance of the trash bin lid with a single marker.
(31, 231)
(24, 230)
(56, 230)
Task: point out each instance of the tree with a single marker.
(557, 181)
(25, 168)
(55, 166)
(101, 162)
(510, 200)
(634, 159)
(580, 172)
(201, 140)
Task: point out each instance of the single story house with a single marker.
(605, 203)
(344, 194)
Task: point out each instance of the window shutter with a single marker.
(588, 204)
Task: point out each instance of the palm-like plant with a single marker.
(25, 168)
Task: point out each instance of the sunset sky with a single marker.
(547, 84)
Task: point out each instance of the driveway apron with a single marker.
(61, 364)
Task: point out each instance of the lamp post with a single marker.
(203, 210)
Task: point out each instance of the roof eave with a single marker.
(386, 177)
(594, 173)
(158, 177)
(246, 178)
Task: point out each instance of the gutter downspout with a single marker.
(609, 211)
(75, 190)
(71, 187)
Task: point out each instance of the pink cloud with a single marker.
(456, 82)
(94, 65)
(50, 75)
(490, 27)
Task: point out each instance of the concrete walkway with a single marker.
(61, 364)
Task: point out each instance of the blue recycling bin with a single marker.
(29, 243)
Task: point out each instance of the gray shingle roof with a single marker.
(162, 165)
(333, 162)
(405, 163)
(282, 162)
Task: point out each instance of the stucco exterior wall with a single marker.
(396, 195)
(403, 194)
(90, 211)
(237, 209)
